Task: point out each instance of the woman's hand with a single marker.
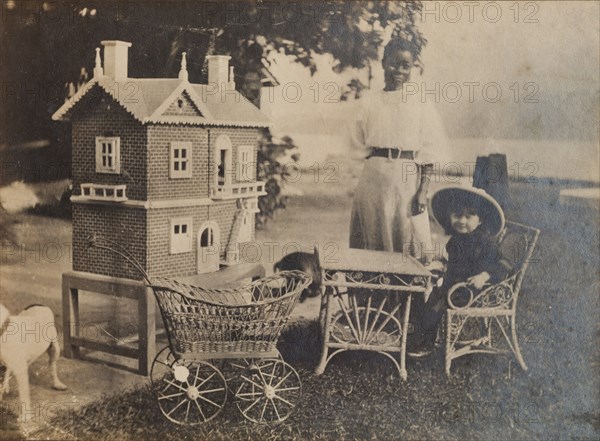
(420, 201)
(436, 265)
(479, 280)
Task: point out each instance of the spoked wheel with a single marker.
(269, 391)
(235, 371)
(193, 393)
(161, 366)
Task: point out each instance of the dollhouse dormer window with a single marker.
(180, 160)
(108, 154)
(181, 235)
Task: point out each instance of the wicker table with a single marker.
(365, 303)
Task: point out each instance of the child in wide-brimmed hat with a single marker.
(474, 220)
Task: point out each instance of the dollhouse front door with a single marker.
(208, 248)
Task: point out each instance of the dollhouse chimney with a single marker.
(115, 59)
(231, 82)
(218, 70)
(98, 71)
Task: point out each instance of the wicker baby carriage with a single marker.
(237, 329)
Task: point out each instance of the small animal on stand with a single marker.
(307, 263)
(19, 347)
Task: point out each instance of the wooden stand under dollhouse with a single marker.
(75, 336)
(167, 169)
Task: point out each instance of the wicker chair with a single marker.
(481, 322)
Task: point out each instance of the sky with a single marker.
(561, 49)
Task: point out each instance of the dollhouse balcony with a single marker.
(96, 192)
(239, 190)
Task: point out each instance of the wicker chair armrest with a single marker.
(460, 289)
(499, 295)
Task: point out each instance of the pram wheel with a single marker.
(161, 365)
(234, 372)
(269, 391)
(192, 393)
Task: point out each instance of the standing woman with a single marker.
(401, 135)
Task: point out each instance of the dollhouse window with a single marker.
(207, 239)
(223, 160)
(181, 235)
(181, 161)
(246, 170)
(108, 155)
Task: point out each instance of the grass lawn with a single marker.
(360, 395)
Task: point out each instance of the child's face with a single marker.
(465, 221)
(397, 68)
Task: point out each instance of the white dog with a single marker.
(23, 338)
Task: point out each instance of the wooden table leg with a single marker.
(67, 316)
(147, 330)
(405, 319)
(70, 303)
(76, 325)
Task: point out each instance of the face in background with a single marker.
(465, 221)
(396, 68)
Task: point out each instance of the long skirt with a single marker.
(382, 205)
(381, 210)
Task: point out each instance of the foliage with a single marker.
(273, 169)
(60, 208)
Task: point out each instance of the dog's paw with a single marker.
(59, 386)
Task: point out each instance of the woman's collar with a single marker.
(400, 96)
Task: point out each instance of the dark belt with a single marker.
(392, 153)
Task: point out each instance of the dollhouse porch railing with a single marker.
(242, 189)
(104, 192)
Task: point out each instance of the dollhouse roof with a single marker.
(147, 99)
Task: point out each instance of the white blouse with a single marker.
(397, 120)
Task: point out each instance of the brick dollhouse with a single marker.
(165, 167)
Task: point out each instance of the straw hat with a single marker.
(447, 198)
